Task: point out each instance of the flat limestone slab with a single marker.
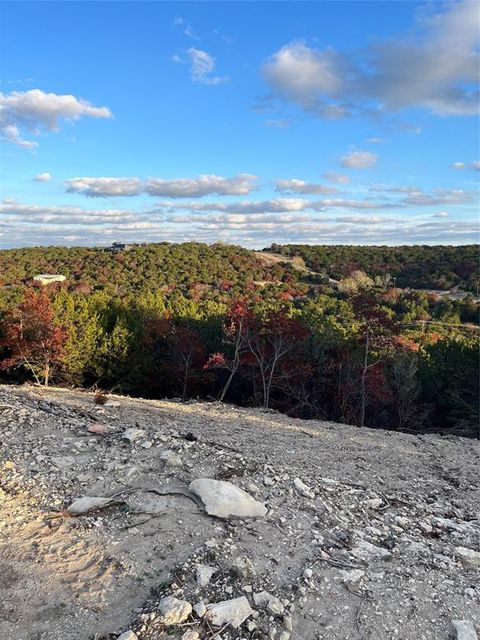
(224, 500)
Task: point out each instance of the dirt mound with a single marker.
(366, 534)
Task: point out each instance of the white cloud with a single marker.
(300, 186)
(358, 160)
(434, 67)
(440, 197)
(440, 214)
(475, 165)
(201, 186)
(203, 66)
(305, 75)
(35, 110)
(43, 177)
(337, 177)
(11, 133)
(276, 205)
(174, 188)
(104, 187)
(279, 123)
(186, 27)
(375, 140)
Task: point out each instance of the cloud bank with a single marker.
(167, 188)
(435, 68)
(36, 111)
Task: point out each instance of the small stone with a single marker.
(351, 576)
(464, 630)
(261, 598)
(285, 635)
(128, 635)
(200, 609)
(98, 429)
(275, 606)
(268, 482)
(307, 573)
(173, 611)
(468, 557)
(190, 634)
(233, 612)
(374, 503)
(303, 489)
(223, 499)
(171, 458)
(366, 552)
(88, 503)
(204, 574)
(244, 567)
(132, 434)
(288, 623)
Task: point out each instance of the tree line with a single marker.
(357, 357)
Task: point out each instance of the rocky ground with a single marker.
(345, 533)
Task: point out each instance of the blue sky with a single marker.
(246, 122)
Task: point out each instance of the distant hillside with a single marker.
(143, 267)
(419, 267)
(150, 266)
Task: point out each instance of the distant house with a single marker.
(120, 246)
(48, 278)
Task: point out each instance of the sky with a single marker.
(243, 122)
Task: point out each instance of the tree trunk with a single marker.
(363, 382)
(46, 374)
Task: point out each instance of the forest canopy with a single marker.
(345, 342)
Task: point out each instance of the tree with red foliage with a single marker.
(235, 330)
(32, 338)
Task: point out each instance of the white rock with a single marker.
(88, 503)
(223, 499)
(171, 458)
(288, 623)
(128, 635)
(303, 489)
(133, 434)
(285, 635)
(261, 598)
(244, 567)
(351, 576)
(374, 503)
(204, 574)
(190, 634)
(200, 609)
(366, 551)
(469, 558)
(275, 606)
(307, 573)
(464, 630)
(173, 611)
(233, 612)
